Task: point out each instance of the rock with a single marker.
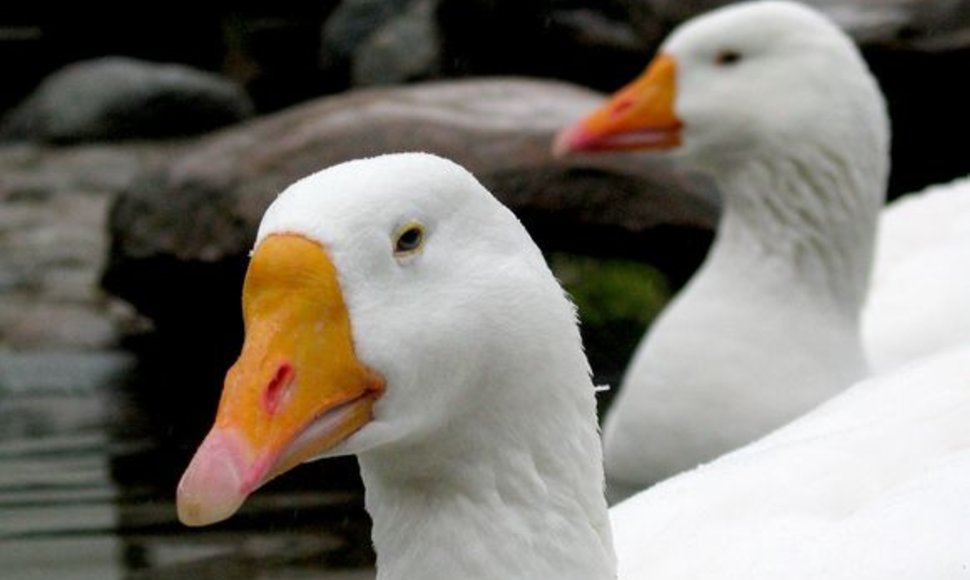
(49, 372)
(171, 267)
(119, 98)
(31, 324)
(354, 21)
(30, 170)
(404, 49)
(381, 42)
(53, 243)
(274, 53)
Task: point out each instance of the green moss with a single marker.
(606, 290)
(617, 300)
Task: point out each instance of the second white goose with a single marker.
(774, 102)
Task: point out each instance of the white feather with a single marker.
(918, 302)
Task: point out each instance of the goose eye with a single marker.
(727, 57)
(409, 239)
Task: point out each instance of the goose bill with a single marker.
(297, 389)
(639, 116)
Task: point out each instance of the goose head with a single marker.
(385, 304)
(746, 83)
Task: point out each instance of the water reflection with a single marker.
(91, 447)
(58, 516)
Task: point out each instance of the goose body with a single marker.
(871, 485)
(917, 303)
(776, 104)
(477, 436)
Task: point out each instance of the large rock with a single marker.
(382, 42)
(354, 21)
(116, 98)
(351, 31)
(404, 49)
(180, 237)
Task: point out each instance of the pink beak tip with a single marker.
(212, 487)
(569, 140)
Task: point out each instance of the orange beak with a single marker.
(639, 116)
(297, 389)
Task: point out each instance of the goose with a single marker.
(395, 310)
(775, 103)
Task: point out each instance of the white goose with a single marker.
(776, 104)
(395, 310)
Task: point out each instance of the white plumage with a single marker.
(918, 302)
(872, 485)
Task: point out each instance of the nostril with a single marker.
(620, 107)
(277, 387)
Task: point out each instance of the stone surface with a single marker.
(54, 371)
(117, 98)
(354, 21)
(404, 49)
(500, 130)
(53, 242)
(381, 42)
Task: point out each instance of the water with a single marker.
(91, 448)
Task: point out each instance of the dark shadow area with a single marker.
(930, 119)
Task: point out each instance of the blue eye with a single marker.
(409, 239)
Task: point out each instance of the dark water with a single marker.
(91, 448)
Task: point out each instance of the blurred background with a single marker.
(139, 145)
